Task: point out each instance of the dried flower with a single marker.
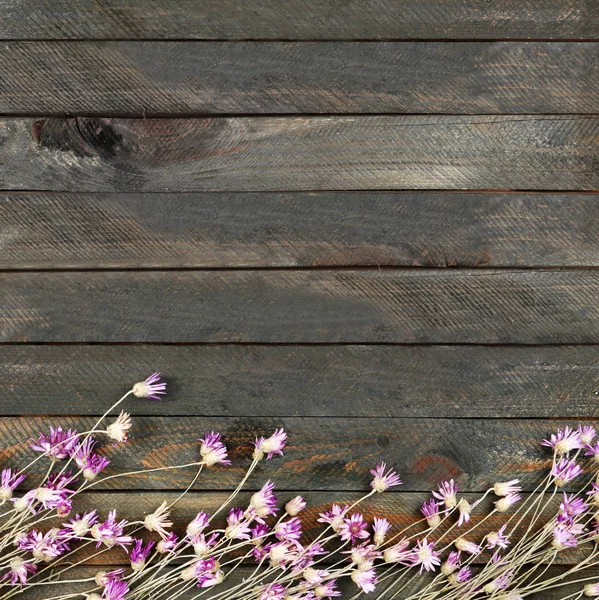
(270, 446)
(212, 450)
(383, 481)
(447, 494)
(118, 430)
(151, 388)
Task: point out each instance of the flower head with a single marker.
(564, 441)
(354, 528)
(464, 509)
(198, 524)
(334, 517)
(168, 543)
(564, 471)
(158, 520)
(139, 554)
(263, 503)
(270, 446)
(111, 532)
(151, 388)
(383, 481)
(115, 590)
(212, 450)
(366, 580)
(327, 589)
(272, 591)
(380, 529)
(237, 525)
(430, 511)
(8, 482)
(503, 488)
(58, 444)
(82, 524)
(498, 539)
(424, 555)
(288, 531)
(399, 553)
(118, 430)
(447, 493)
(295, 506)
(505, 503)
(19, 571)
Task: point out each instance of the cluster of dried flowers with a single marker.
(442, 555)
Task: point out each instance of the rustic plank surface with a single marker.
(176, 78)
(295, 153)
(302, 306)
(318, 381)
(299, 19)
(57, 231)
(322, 454)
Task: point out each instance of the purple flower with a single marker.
(464, 509)
(212, 450)
(563, 537)
(61, 481)
(463, 575)
(81, 524)
(327, 589)
(564, 441)
(139, 554)
(447, 493)
(498, 539)
(587, 433)
(259, 532)
(270, 446)
(306, 555)
(151, 388)
(572, 507)
(45, 546)
(365, 580)
(237, 525)
(58, 445)
(295, 506)
(199, 523)
(202, 544)
(505, 503)
(282, 553)
(289, 531)
(425, 555)
(592, 450)
(103, 577)
(263, 503)
(399, 553)
(380, 529)
(272, 591)
(430, 511)
(364, 555)
(564, 471)
(91, 464)
(168, 543)
(452, 564)
(464, 545)
(115, 590)
(383, 481)
(334, 517)
(111, 532)
(20, 570)
(10, 480)
(354, 528)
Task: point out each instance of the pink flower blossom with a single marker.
(270, 446)
(383, 481)
(151, 388)
(354, 528)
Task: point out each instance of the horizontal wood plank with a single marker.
(174, 78)
(299, 19)
(401, 509)
(300, 153)
(345, 585)
(58, 231)
(302, 306)
(322, 454)
(318, 381)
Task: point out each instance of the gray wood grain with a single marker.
(317, 381)
(295, 153)
(322, 454)
(58, 231)
(177, 78)
(302, 306)
(299, 19)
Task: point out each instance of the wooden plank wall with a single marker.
(374, 223)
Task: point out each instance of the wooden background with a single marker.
(374, 223)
